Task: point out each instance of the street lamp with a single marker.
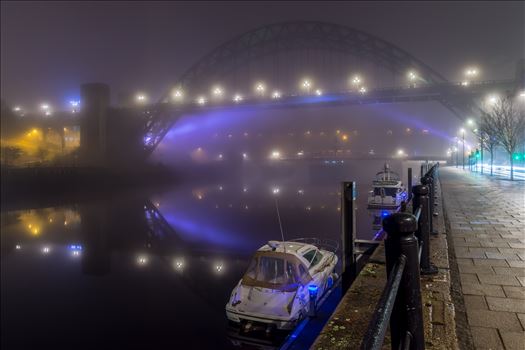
(462, 132)
(306, 85)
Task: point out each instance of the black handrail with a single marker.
(376, 331)
(407, 255)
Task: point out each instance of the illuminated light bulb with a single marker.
(276, 190)
(362, 90)
(300, 191)
(142, 260)
(44, 106)
(237, 98)
(141, 98)
(276, 94)
(245, 156)
(470, 122)
(465, 83)
(177, 94)
(17, 109)
(217, 91)
(220, 156)
(245, 189)
(201, 100)
(18, 247)
(219, 267)
(306, 84)
(275, 155)
(46, 250)
(179, 264)
(75, 253)
(318, 92)
(344, 137)
(412, 75)
(300, 153)
(522, 94)
(356, 80)
(260, 88)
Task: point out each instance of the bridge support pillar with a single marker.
(93, 126)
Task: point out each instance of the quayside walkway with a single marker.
(485, 220)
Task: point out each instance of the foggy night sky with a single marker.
(49, 48)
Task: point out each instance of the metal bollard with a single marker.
(421, 199)
(407, 314)
(427, 180)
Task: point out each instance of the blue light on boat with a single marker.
(312, 289)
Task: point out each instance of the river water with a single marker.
(154, 268)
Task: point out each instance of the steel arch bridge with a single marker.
(274, 39)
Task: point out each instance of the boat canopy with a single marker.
(276, 270)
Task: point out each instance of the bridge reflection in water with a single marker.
(152, 268)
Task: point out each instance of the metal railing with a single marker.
(407, 252)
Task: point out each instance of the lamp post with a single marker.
(462, 131)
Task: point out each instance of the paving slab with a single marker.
(486, 230)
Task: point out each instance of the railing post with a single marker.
(422, 200)
(409, 182)
(428, 181)
(407, 314)
(348, 233)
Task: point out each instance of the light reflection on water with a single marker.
(144, 267)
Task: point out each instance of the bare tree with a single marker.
(506, 122)
(488, 134)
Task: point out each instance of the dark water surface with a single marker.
(154, 269)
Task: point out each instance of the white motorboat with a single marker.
(388, 190)
(281, 278)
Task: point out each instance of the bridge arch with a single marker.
(281, 37)
(288, 36)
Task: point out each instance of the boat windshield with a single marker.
(274, 270)
(388, 191)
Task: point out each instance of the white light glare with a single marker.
(362, 90)
(45, 250)
(18, 247)
(217, 91)
(276, 94)
(44, 106)
(141, 98)
(356, 80)
(412, 75)
(177, 94)
(318, 92)
(471, 72)
(142, 260)
(470, 122)
(237, 98)
(275, 155)
(17, 109)
(260, 87)
(492, 99)
(400, 152)
(201, 100)
(276, 190)
(307, 84)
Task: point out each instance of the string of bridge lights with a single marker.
(470, 75)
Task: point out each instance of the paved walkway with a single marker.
(487, 224)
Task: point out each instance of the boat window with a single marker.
(252, 269)
(309, 255)
(272, 270)
(389, 191)
(302, 270)
(313, 256)
(317, 258)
